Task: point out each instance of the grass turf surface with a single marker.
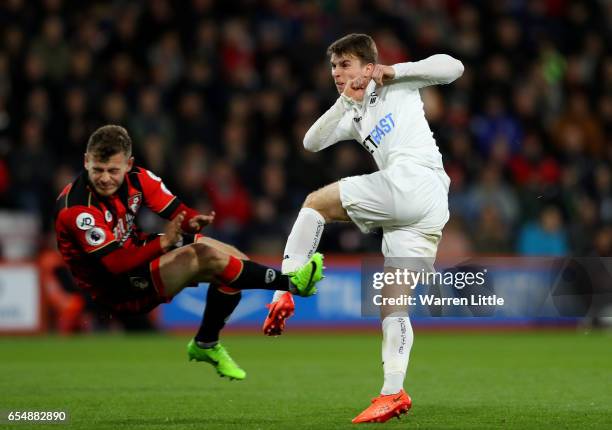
(473, 380)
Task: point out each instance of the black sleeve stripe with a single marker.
(79, 194)
(105, 249)
(135, 179)
(170, 208)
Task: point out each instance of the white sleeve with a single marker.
(437, 69)
(327, 130)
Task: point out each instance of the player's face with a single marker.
(346, 67)
(107, 176)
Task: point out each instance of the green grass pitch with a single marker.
(472, 380)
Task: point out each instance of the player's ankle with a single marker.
(206, 345)
(277, 295)
(394, 383)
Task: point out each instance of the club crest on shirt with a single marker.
(134, 202)
(108, 217)
(373, 98)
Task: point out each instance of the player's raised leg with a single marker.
(320, 207)
(199, 262)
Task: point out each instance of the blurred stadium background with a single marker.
(217, 97)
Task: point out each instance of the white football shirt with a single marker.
(390, 122)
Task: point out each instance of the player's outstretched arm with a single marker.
(123, 260)
(434, 70)
(328, 129)
(161, 201)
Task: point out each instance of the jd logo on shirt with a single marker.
(85, 221)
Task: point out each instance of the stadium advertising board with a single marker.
(19, 298)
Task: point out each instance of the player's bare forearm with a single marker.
(172, 233)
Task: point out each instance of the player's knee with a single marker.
(208, 258)
(315, 201)
(312, 201)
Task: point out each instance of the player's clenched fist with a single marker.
(382, 74)
(355, 88)
(172, 233)
(198, 222)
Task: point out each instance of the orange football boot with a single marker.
(384, 408)
(279, 312)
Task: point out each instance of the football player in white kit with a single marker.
(380, 107)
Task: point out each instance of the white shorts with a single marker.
(409, 203)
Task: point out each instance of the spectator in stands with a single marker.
(546, 237)
(529, 120)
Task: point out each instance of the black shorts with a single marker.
(139, 291)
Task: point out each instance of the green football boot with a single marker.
(218, 357)
(306, 277)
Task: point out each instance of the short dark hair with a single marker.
(360, 45)
(108, 141)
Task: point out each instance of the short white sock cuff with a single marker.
(291, 264)
(313, 212)
(277, 295)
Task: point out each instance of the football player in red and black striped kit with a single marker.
(129, 271)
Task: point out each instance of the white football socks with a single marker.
(302, 242)
(303, 239)
(396, 345)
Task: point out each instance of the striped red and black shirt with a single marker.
(98, 237)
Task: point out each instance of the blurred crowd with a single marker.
(217, 97)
